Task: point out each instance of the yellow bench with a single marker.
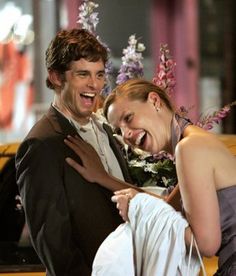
(6, 151)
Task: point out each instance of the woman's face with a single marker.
(139, 123)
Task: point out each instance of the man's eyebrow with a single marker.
(88, 71)
(79, 70)
(101, 71)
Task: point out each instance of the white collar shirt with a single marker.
(94, 133)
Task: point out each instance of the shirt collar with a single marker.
(94, 118)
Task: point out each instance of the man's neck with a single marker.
(69, 116)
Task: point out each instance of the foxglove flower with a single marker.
(165, 75)
(208, 121)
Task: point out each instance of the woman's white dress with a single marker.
(150, 244)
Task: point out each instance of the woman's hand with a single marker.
(92, 168)
(122, 199)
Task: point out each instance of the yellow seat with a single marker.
(230, 141)
(211, 265)
(7, 151)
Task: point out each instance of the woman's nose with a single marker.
(127, 133)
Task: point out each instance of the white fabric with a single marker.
(94, 134)
(152, 244)
(115, 255)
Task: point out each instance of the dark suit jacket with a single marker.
(68, 217)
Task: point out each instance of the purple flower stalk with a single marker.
(163, 155)
(89, 20)
(87, 17)
(165, 75)
(131, 66)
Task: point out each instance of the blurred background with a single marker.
(200, 35)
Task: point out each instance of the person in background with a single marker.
(142, 113)
(68, 217)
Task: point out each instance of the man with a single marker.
(68, 217)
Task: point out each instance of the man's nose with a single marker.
(92, 82)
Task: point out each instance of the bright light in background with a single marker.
(8, 16)
(16, 25)
(22, 26)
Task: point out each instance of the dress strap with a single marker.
(178, 124)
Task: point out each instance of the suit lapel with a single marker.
(60, 123)
(117, 151)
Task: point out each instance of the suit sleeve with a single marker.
(40, 181)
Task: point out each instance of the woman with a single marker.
(142, 113)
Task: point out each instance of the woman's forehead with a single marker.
(120, 107)
(115, 110)
(120, 103)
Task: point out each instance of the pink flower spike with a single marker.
(165, 75)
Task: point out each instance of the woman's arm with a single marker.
(195, 159)
(92, 168)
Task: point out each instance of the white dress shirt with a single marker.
(94, 134)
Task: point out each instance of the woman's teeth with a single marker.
(139, 138)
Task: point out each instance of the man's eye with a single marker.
(101, 75)
(81, 74)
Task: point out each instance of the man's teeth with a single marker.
(91, 95)
(139, 138)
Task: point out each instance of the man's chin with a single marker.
(86, 113)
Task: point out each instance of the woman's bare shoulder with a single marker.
(196, 139)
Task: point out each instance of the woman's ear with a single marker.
(55, 78)
(154, 98)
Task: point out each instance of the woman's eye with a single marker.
(128, 118)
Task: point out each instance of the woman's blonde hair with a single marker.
(136, 89)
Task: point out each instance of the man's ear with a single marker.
(55, 78)
(154, 98)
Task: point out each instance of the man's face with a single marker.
(83, 83)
